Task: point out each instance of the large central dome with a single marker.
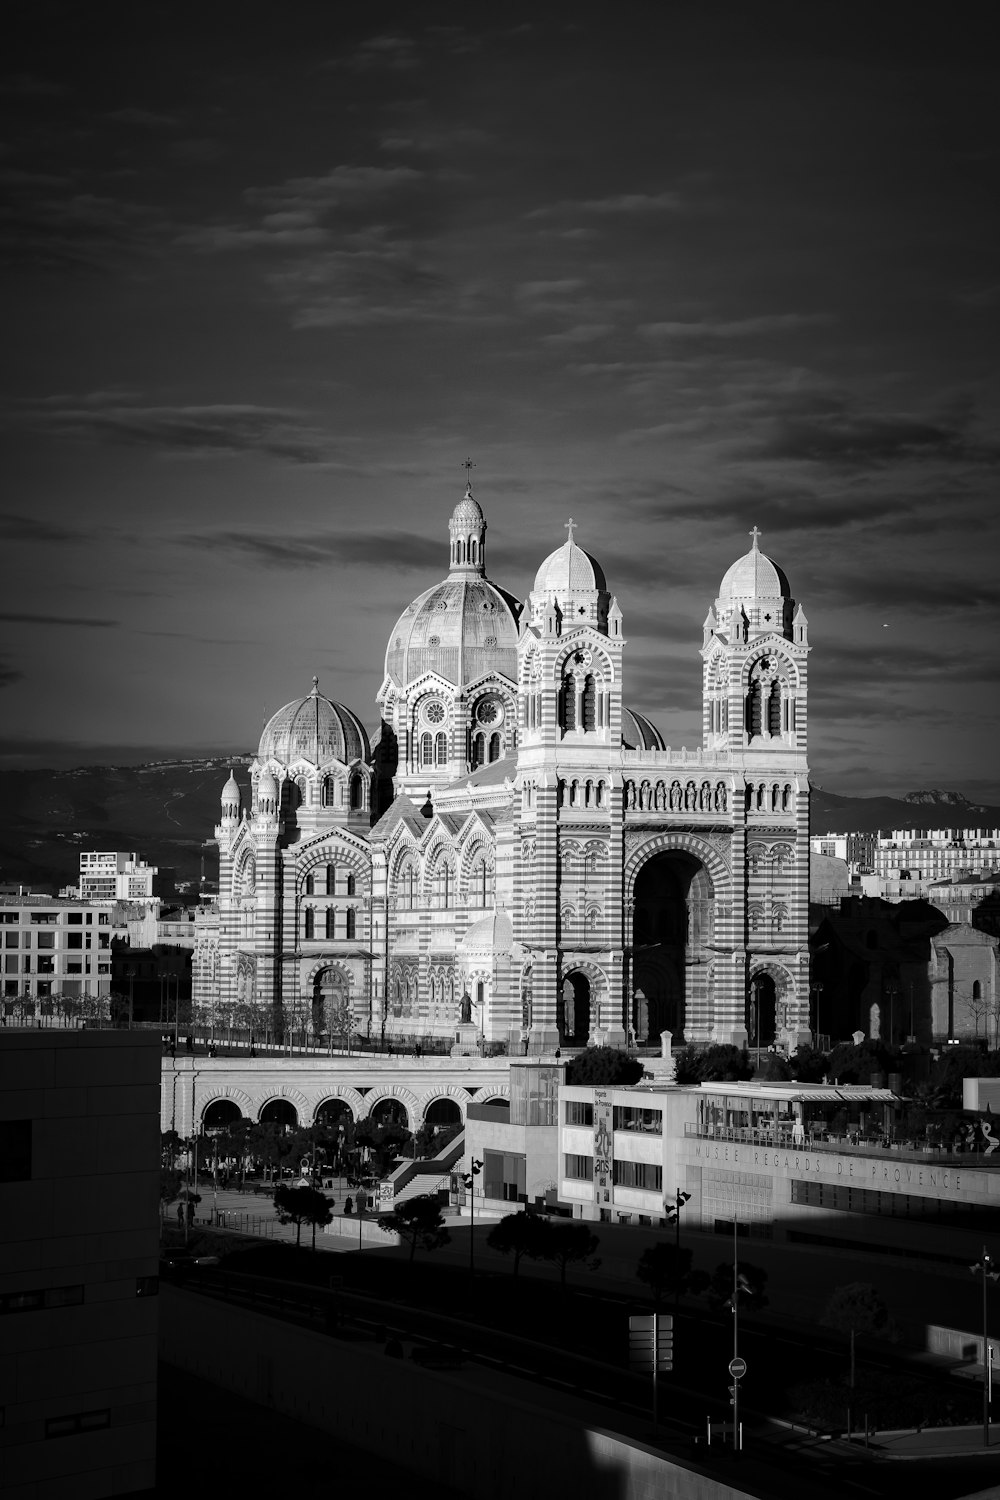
(463, 627)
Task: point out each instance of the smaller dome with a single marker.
(267, 788)
(494, 932)
(568, 569)
(314, 729)
(468, 511)
(231, 791)
(639, 733)
(754, 576)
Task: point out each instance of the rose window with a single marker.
(434, 713)
(489, 712)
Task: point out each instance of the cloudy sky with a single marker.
(272, 272)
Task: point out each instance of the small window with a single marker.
(15, 1150)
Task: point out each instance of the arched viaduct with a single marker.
(190, 1085)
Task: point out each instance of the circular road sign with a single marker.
(737, 1368)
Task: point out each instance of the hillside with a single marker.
(167, 810)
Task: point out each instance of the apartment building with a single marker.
(52, 947)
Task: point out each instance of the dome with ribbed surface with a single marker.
(468, 511)
(494, 932)
(314, 729)
(462, 628)
(639, 733)
(267, 788)
(231, 792)
(754, 576)
(568, 569)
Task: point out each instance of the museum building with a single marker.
(514, 847)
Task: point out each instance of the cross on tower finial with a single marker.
(755, 534)
(315, 685)
(468, 466)
(570, 524)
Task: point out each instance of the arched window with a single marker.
(589, 704)
(472, 551)
(774, 709)
(331, 923)
(494, 747)
(445, 883)
(977, 990)
(754, 710)
(352, 923)
(567, 704)
(331, 880)
(357, 793)
(427, 749)
(786, 799)
(352, 885)
(478, 750)
(310, 924)
(480, 992)
(407, 886)
(310, 885)
(329, 791)
(441, 749)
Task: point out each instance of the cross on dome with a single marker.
(569, 526)
(468, 466)
(755, 534)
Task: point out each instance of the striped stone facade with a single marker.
(520, 851)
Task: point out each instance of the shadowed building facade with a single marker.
(518, 851)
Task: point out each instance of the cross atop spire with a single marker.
(315, 690)
(468, 466)
(570, 524)
(755, 534)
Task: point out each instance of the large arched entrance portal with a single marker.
(671, 938)
(573, 1017)
(331, 1007)
(762, 1011)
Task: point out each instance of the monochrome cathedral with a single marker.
(517, 858)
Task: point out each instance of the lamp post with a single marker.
(469, 1178)
(817, 990)
(673, 1213)
(986, 1267)
(891, 991)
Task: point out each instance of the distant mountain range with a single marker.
(167, 810)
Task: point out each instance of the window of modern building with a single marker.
(628, 1117)
(578, 1168)
(638, 1174)
(579, 1112)
(15, 1150)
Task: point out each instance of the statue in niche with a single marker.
(569, 1009)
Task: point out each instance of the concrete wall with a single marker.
(460, 1430)
(79, 1233)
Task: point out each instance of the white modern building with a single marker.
(53, 947)
(108, 876)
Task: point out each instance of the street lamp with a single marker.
(673, 1213)
(986, 1267)
(891, 990)
(469, 1178)
(817, 990)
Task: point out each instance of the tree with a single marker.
(417, 1221)
(302, 1205)
(171, 1181)
(857, 1308)
(603, 1065)
(856, 1064)
(520, 1234)
(564, 1243)
(751, 1281)
(809, 1065)
(773, 1067)
(722, 1062)
(667, 1272)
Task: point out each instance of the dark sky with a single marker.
(676, 270)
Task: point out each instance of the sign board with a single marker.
(737, 1368)
(650, 1342)
(603, 1137)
